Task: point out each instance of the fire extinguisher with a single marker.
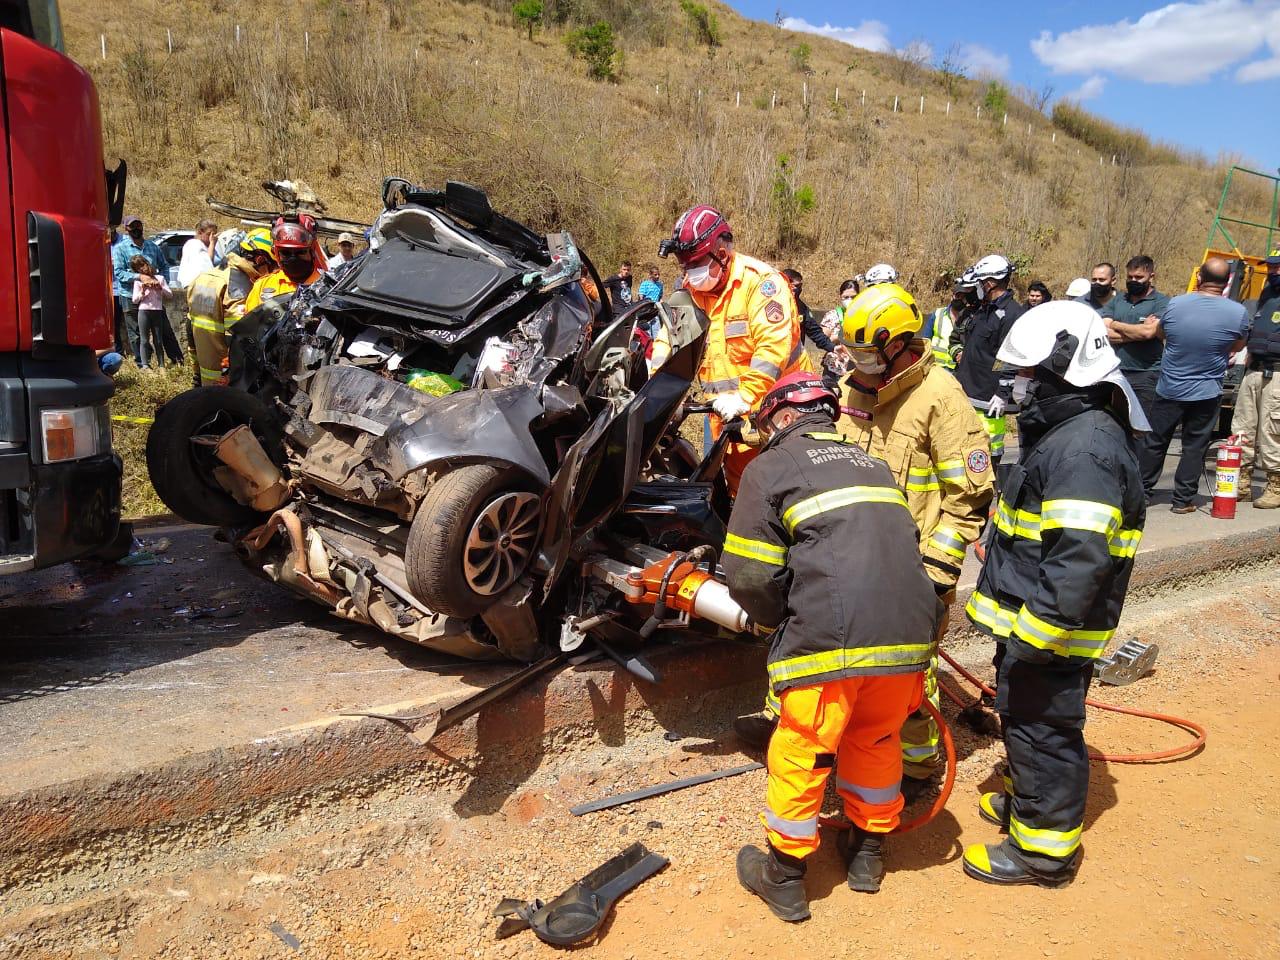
(1227, 485)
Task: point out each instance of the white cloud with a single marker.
(1176, 44)
(979, 61)
(869, 34)
(1269, 68)
(1089, 90)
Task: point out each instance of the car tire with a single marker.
(183, 483)
(447, 563)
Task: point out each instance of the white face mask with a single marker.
(845, 301)
(700, 278)
(868, 364)
(1020, 385)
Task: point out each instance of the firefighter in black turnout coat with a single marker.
(1068, 524)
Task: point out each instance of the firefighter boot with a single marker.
(777, 879)
(994, 808)
(1270, 498)
(999, 863)
(863, 851)
(755, 729)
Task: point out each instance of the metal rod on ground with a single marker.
(644, 793)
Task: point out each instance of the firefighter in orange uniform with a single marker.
(755, 329)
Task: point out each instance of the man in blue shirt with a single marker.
(651, 286)
(131, 245)
(1201, 331)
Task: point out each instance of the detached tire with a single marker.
(473, 537)
(182, 478)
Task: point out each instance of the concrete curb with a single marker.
(705, 683)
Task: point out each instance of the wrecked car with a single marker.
(451, 438)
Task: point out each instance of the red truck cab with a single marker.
(59, 479)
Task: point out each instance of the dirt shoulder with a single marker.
(1180, 859)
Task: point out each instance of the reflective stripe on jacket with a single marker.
(1068, 525)
(215, 301)
(942, 329)
(275, 284)
(921, 424)
(754, 337)
(818, 539)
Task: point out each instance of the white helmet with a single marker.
(1069, 339)
(881, 273)
(992, 267)
(1078, 287)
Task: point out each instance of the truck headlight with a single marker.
(75, 433)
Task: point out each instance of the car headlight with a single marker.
(75, 433)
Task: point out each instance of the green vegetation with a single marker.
(800, 55)
(790, 203)
(528, 14)
(705, 24)
(595, 45)
(996, 99)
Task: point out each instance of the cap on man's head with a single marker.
(346, 238)
(131, 219)
(1274, 258)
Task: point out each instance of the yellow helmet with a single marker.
(257, 240)
(879, 314)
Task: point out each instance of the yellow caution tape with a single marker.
(121, 418)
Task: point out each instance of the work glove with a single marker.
(730, 406)
(996, 407)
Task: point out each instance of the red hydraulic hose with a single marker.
(1190, 726)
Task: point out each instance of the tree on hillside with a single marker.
(951, 70)
(595, 45)
(704, 22)
(790, 202)
(528, 14)
(996, 100)
(910, 60)
(800, 55)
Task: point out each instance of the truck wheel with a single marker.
(475, 534)
(182, 471)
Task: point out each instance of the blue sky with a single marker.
(1203, 74)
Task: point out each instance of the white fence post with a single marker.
(738, 100)
(864, 98)
(895, 104)
(922, 104)
(948, 108)
(805, 93)
(1005, 121)
(306, 45)
(237, 33)
(102, 39)
(837, 94)
(979, 113)
(1054, 138)
(773, 103)
(169, 35)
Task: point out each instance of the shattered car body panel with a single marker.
(462, 516)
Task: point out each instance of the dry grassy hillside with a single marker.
(436, 90)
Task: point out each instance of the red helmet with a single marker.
(695, 234)
(299, 234)
(798, 389)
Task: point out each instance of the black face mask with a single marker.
(1273, 281)
(1100, 291)
(296, 268)
(1137, 288)
(135, 233)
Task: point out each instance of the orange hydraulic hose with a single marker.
(1189, 725)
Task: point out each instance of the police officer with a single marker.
(1256, 421)
(901, 406)
(1068, 523)
(989, 325)
(847, 662)
(754, 337)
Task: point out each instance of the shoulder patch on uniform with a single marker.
(773, 311)
(1000, 313)
(856, 412)
(768, 288)
(978, 461)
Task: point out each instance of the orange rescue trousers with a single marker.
(856, 720)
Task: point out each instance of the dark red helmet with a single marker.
(695, 234)
(294, 234)
(799, 389)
